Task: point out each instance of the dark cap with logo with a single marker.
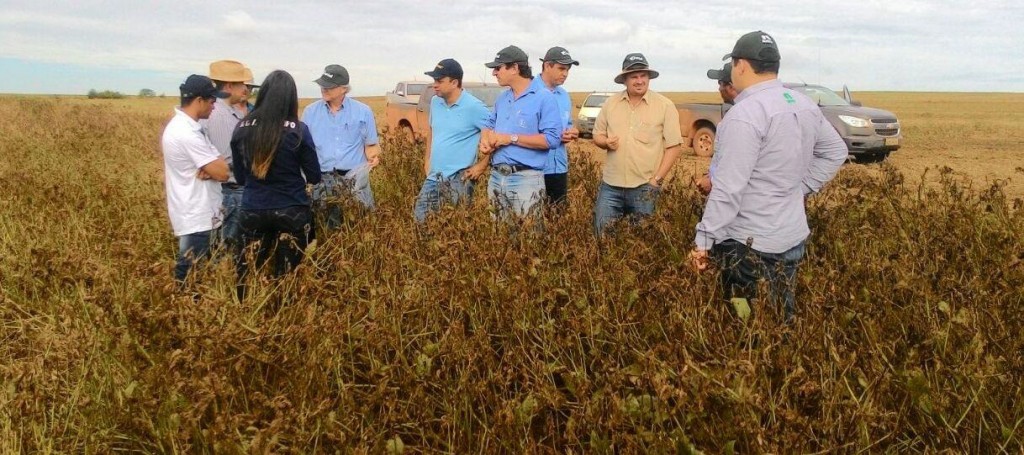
(632, 63)
(558, 54)
(511, 54)
(758, 46)
(446, 68)
(722, 75)
(333, 76)
(197, 86)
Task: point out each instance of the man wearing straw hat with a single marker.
(640, 130)
(230, 77)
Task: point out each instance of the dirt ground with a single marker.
(980, 136)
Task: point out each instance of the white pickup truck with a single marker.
(407, 92)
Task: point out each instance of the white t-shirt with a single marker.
(193, 204)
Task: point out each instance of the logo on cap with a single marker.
(636, 58)
(765, 39)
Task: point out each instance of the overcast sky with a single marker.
(58, 46)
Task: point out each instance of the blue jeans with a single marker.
(334, 188)
(442, 190)
(191, 249)
(519, 194)
(614, 202)
(230, 231)
(743, 267)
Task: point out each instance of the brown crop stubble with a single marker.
(458, 337)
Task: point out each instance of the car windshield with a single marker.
(416, 89)
(595, 100)
(821, 95)
(487, 95)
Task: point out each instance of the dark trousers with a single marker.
(556, 186)
(280, 236)
(743, 267)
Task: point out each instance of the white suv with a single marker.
(588, 112)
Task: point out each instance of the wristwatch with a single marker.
(514, 138)
(657, 180)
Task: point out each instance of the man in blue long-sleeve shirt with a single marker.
(773, 148)
(524, 127)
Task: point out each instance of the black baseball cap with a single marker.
(197, 86)
(446, 68)
(558, 54)
(333, 76)
(758, 46)
(632, 63)
(511, 54)
(722, 75)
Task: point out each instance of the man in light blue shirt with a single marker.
(345, 134)
(555, 68)
(772, 149)
(523, 128)
(456, 120)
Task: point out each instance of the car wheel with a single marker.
(704, 142)
(873, 157)
(407, 133)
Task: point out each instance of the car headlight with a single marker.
(855, 122)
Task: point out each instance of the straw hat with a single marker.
(229, 71)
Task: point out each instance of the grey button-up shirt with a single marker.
(220, 126)
(773, 147)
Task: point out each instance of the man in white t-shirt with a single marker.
(192, 171)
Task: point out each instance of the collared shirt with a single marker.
(341, 137)
(294, 164)
(773, 147)
(535, 111)
(644, 132)
(192, 204)
(220, 126)
(558, 159)
(455, 133)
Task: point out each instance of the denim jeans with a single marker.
(192, 248)
(615, 202)
(519, 194)
(333, 189)
(442, 190)
(232, 202)
(743, 267)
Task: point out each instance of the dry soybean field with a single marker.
(465, 337)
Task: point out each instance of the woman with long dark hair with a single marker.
(274, 158)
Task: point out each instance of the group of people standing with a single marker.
(246, 168)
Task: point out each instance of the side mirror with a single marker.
(856, 103)
(400, 93)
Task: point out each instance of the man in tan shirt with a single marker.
(640, 130)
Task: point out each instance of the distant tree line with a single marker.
(106, 94)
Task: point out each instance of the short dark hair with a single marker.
(761, 67)
(186, 101)
(524, 69)
(458, 80)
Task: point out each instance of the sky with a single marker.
(70, 47)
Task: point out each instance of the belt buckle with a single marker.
(505, 169)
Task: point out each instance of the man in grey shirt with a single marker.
(230, 78)
(773, 148)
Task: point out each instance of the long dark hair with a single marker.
(276, 103)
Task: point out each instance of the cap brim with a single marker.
(433, 74)
(719, 75)
(563, 62)
(325, 84)
(494, 64)
(622, 76)
(727, 56)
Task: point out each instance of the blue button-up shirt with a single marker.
(771, 149)
(455, 133)
(558, 158)
(535, 111)
(341, 137)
